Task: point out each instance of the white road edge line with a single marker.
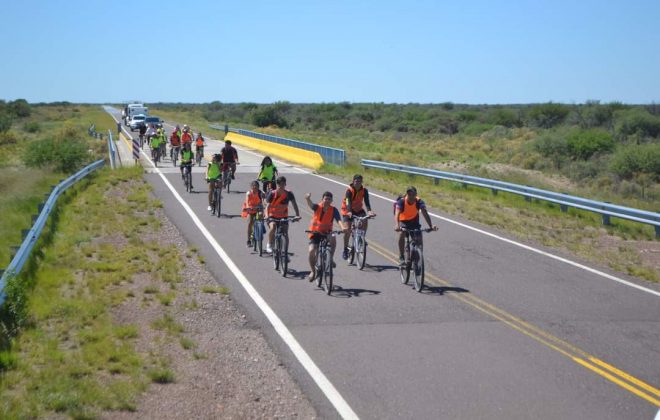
(342, 407)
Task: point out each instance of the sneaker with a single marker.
(334, 265)
(312, 276)
(249, 244)
(402, 261)
(232, 176)
(268, 248)
(344, 254)
(209, 208)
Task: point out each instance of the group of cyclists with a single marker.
(271, 199)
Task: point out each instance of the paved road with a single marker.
(501, 332)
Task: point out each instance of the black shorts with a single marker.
(410, 224)
(316, 238)
(360, 213)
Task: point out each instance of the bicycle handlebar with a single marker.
(284, 219)
(360, 218)
(427, 230)
(332, 232)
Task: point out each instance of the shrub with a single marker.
(61, 153)
(636, 122)
(5, 122)
(8, 137)
(32, 127)
(267, 116)
(506, 117)
(548, 115)
(629, 161)
(553, 146)
(20, 108)
(582, 144)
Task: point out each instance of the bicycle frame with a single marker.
(414, 257)
(281, 244)
(358, 241)
(217, 197)
(323, 263)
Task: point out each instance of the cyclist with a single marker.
(277, 207)
(143, 130)
(212, 176)
(253, 199)
(324, 215)
(200, 142)
(229, 157)
(353, 204)
(187, 159)
(154, 143)
(268, 173)
(163, 142)
(186, 136)
(406, 215)
(175, 142)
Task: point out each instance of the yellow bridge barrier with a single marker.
(302, 157)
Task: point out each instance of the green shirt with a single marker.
(213, 170)
(267, 172)
(187, 156)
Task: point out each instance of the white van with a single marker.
(135, 109)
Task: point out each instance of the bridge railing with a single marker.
(606, 210)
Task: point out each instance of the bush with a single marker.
(8, 137)
(548, 115)
(632, 160)
(267, 116)
(32, 127)
(506, 117)
(20, 108)
(582, 144)
(553, 146)
(66, 152)
(637, 122)
(5, 122)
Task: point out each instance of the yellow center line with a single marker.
(543, 337)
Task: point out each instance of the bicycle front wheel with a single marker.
(418, 268)
(327, 281)
(284, 256)
(218, 201)
(361, 251)
(276, 253)
(404, 272)
(320, 264)
(351, 251)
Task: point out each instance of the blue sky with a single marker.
(388, 51)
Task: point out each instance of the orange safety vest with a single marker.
(322, 224)
(409, 210)
(251, 200)
(200, 141)
(277, 208)
(175, 140)
(186, 138)
(357, 198)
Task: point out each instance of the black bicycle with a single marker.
(258, 230)
(174, 154)
(280, 249)
(187, 177)
(323, 264)
(216, 197)
(358, 241)
(226, 176)
(414, 257)
(199, 154)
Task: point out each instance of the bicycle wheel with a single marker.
(404, 272)
(361, 251)
(228, 181)
(320, 264)
(188, 182)
(276, 253)
(218, 201)
(327, 280)
(284, 256)
(418, 268)
(351, 250)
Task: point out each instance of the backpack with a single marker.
(399, 197)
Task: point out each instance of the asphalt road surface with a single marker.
(502, 330)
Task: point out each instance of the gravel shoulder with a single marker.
(228, 370)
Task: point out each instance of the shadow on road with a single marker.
(380, 268)
(340, 292)
(441, 290)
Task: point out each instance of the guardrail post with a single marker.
(657, 232)
(606, 219)
(563, 208)
(226, 129)
(528, 198)
(494, 191)
(436, 181)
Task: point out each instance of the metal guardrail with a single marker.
(606, 210)
(21, 257)
(329, 154)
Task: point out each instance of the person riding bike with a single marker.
(229, 157)
(406, 215)
(212, 176)
(268, 173)
(187, 158)
(175, 142)
(186, 136)
(277, 207)
(355, 199)
(142, 130)
(322, 219)
(200, 142)
(150, 132)
(253, 199)
(163, 142)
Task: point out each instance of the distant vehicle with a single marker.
(156, 121)
(137, 120)
(135, 109)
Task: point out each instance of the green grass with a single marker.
(71, 358)
(215, 289)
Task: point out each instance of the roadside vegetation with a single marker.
(606, 152)
(66, 350)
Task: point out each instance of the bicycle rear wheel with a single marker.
(361, 252)
(218, 201)
(276, 253)
(327, 281)
(188, 181)
(418, 268)
(404, 271)
(351, 250)
(320, 264)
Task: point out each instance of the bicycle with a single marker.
(199, 154)
(414, 257)
(258, 230)
(323, 264)
(216, 195)
(155, 155)
(141, 137)
(187, 178)
(226, 176)
(281, 245)
(266, 185)
(174, 154)
(358, 242)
